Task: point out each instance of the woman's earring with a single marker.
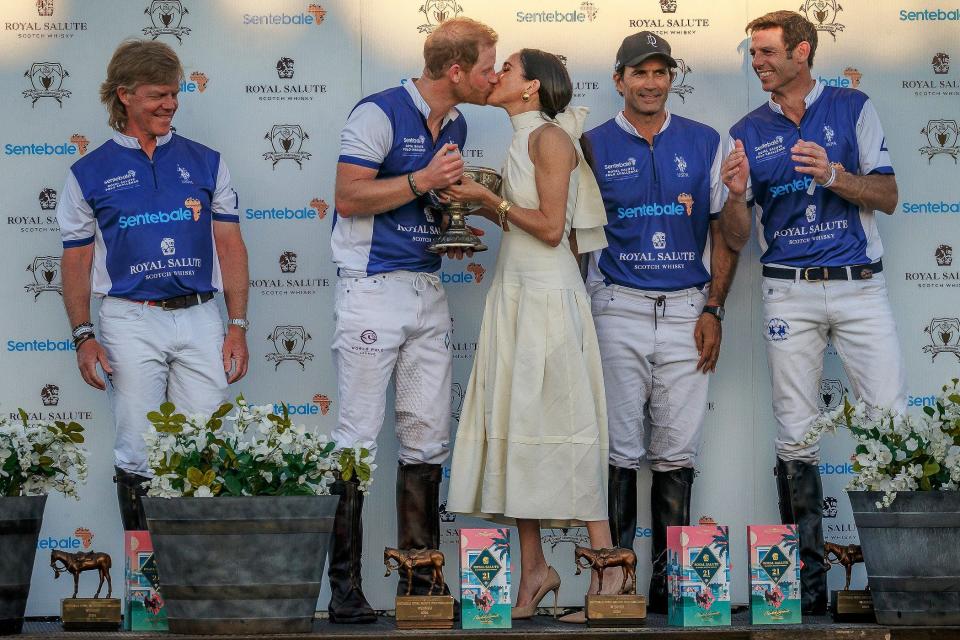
(525, 96)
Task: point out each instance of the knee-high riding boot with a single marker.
(669, 506)
(418, 520)
(801, 503)
(622, 505)
(348, 605)
(129, 491)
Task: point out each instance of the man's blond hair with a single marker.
(455, 41)
(137, 62)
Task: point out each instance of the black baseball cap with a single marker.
(640, 46)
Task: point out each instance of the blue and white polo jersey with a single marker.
(797, 229)
(150, 221)
(660, 199)
(388, 132)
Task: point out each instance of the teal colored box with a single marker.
(698, 576)
(485, 579)
(143, 609)
(774, 574)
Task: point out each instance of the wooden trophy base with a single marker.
(424, 612)
(84, 614)
(852, 606)
(615, 610)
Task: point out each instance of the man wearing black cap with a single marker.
(657, 291)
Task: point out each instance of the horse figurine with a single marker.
(74, 563)
(600, 559)
(409, 560)
(847, 556)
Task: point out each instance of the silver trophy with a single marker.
(457, 236)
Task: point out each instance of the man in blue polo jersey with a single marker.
(814, 165)
(392, 318)
(149, 223)
(657, 291)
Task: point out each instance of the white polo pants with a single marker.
(390, 324)
(799, 318)
(650, 372)
(157, 356)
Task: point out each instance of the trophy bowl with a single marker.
(457, 236)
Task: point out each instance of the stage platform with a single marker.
(543, 627)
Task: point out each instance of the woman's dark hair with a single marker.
(556, 90)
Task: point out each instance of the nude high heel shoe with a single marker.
(551, 582)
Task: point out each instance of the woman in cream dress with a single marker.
(531, 447)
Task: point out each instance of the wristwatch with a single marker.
(714, 310)
(243, 323)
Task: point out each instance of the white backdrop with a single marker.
(254, 64)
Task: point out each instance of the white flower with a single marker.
(203, 492)
(911, 444)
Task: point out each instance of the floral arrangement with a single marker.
(261, 454)
(40, 457)
(897, 452)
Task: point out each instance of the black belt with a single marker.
(179, 302)
(816, 274)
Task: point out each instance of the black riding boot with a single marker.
(669, 506)
(418, 520)
(801, 503)
(129, 491)
(622, 505)
(347, 602)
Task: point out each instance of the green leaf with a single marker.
(931, 469)
(195, 477)
(45, 460)
(76, 437)
(929, 411)
(233, 485)
(209, 477)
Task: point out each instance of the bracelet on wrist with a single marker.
(502, 210)
(79, 341)
(833, 178)
(413, 185)
(82, 329)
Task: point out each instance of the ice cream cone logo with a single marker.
(853, 76)
(194, 205)
(201, 79)
(317, 12)
(323, 402)
(81, 142)
(320, 206)
(687, 201)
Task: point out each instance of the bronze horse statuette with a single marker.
(847, 556)
(600, 559)
(408, 560)
(74, 563)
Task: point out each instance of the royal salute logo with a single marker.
(941, 139)
(168, 247)
(935, 84)
(272, 91)
(775, 562)
(680, 88)
(823, 15)
(48, 199)
(810, 212)
(36, 29)
(46, 81)
(670, 21)
(46, 276)
(941, 63)
(50, 395)
(288, 262)
(436, 11)
(166, 18)
(943, 255)
(285, 67)
(659, 240)
(830, 394)
(940, 278)
(830, 507)
(289, 344)
(446, 516)
(944, 337)
(287, 143)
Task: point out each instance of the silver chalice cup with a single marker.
(457, 236)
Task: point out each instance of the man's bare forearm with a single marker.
(874, 192)
(735, 223)
(75, 268)
(723, 266)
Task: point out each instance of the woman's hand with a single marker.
(469, 191)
